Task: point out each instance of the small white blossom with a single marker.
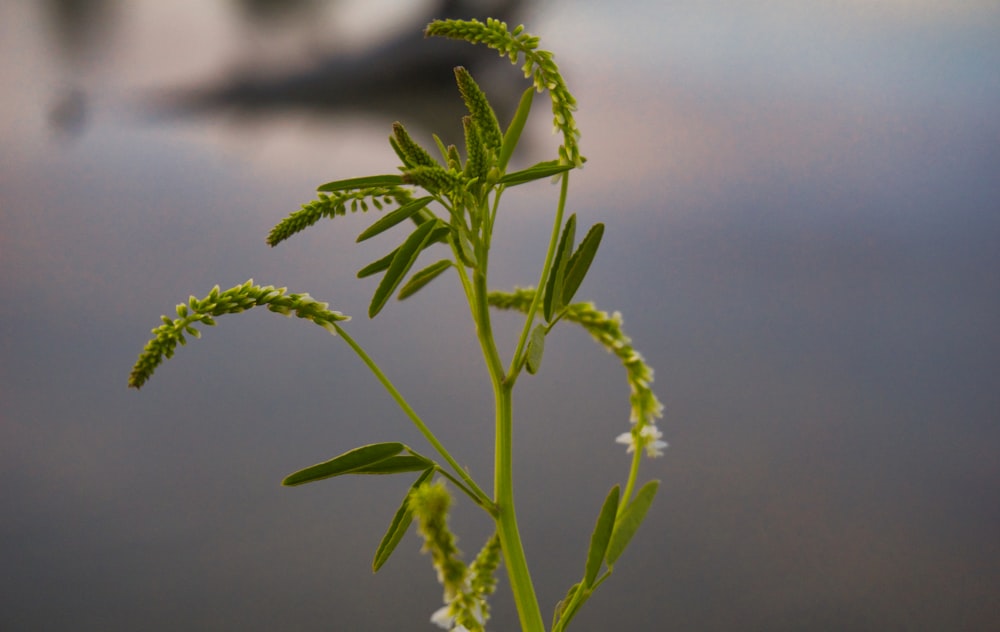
(442, 617)
(654, 445)
(627, 439)
(650, 438)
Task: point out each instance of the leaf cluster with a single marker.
(460, 187)
(617, 522)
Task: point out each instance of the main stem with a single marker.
(503, 473)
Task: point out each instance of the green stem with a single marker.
(510, 538)
(503, 471)
(414, 417)
(517, 361)
(630, 485)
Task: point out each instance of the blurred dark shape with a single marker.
(404, 75)
(78, 30)
(270, 12)
(68, 115)
(78, 27)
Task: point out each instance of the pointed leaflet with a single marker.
(400, 523)
(346, 463)
(629, 521)
(362, 183)
(513, 133)
(579, 263)
(441, 148)
(466, 251)
(536, 347)
(401, 264)
(561, 605)
(562, 617)
(537, 172)
(395, 217)
(383, 263)
(422, 278)
(377, 266)
(553, 287)
(601, 537)
(395, 465)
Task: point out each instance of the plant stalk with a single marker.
(525, 598)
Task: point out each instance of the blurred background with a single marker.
(803, 215)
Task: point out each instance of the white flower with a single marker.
(627, 439)
(442, 617)
(650, 438)
(652, 435)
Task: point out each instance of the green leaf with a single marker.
(601, 537)
(395, 465)
(441, 147)
(365, 182)
(401, 264)
(561, 606)
(513, 133)
(397, 528)
(536, 347)
(422, 278)
(536, 172)
(579, 263)
(466, 252)
(346, 463)
(629, 521)
(568, 607)
(377, 266)
(395, 217)
(553, 301)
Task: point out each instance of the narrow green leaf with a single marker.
(629, 521)
(439, 234)
(395, 465)
(364, 182)
(391, 219)
(561, 606)
(377, 266)
(513, 133)
(553, 300)
(345, 463)
(396, 148)
(397, 528)
(601, 537)
(441, 147)
(465, 250)
(536, 347)
(401, 264)
(422, 278)
(536, 172)
(579, 263)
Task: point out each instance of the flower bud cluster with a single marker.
(237, 299)
(465, 588)
(538, 66)
(607, 330)
(331, 205)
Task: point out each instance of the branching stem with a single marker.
(517, 361)
(484, 499)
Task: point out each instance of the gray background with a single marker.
(802, 207)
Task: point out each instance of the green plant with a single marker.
(453, 203)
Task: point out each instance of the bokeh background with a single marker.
(803, 211)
